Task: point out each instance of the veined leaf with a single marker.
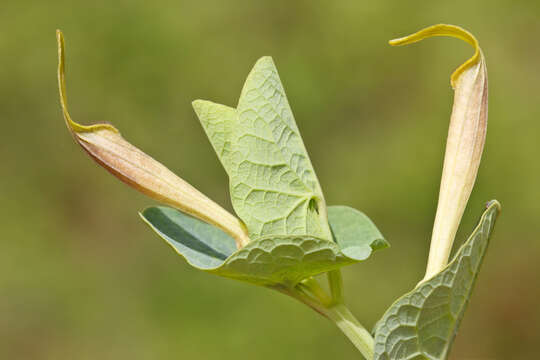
(423, 323)
(354, 232)
(271, 260)
(274, 189)
(284, 260)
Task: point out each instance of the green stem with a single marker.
(347, 323)
(335, 281)
(313, 286)
(310, 293)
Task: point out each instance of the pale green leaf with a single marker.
(284, 260)
(272, 260)
(273, 186)
(203, 246)
(354, 232)
(422, 324)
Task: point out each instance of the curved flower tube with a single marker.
(108, 148)
(465, 142)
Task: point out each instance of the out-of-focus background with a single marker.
(81, 277)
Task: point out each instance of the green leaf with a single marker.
(203, 246)
(285, 260)
(354, 232)
(422, 324)
(273, 186)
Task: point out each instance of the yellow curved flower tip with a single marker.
(131, 165)
(464, 145)
(445, 30)
(72, 125)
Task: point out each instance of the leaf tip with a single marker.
(379, 244)
(264, 62)
(198, 105)
(265, 59)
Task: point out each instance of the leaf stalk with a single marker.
(351, 327)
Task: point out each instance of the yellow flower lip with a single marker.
(445, 30)
(72, 125)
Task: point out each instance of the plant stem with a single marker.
(333, 310)
(313, 286)
(347, 323)
(335, 281)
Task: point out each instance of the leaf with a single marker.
(109, 149)
(274, 189)
(283, 260)
(202, 245)
(422, 324)
(273, 260)
(354, 232)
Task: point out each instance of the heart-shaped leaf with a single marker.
(284, 260)
(272, 260)
(422, 324)
(273, 186)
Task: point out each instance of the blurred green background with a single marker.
(81, 277)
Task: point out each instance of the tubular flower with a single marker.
(109, 149)
(465, 142)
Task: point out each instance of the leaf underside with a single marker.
(274, 190)
(422, 324)
(354, 232)
(202, 245)
(283, 260)
(272, 260)
(273, 186)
